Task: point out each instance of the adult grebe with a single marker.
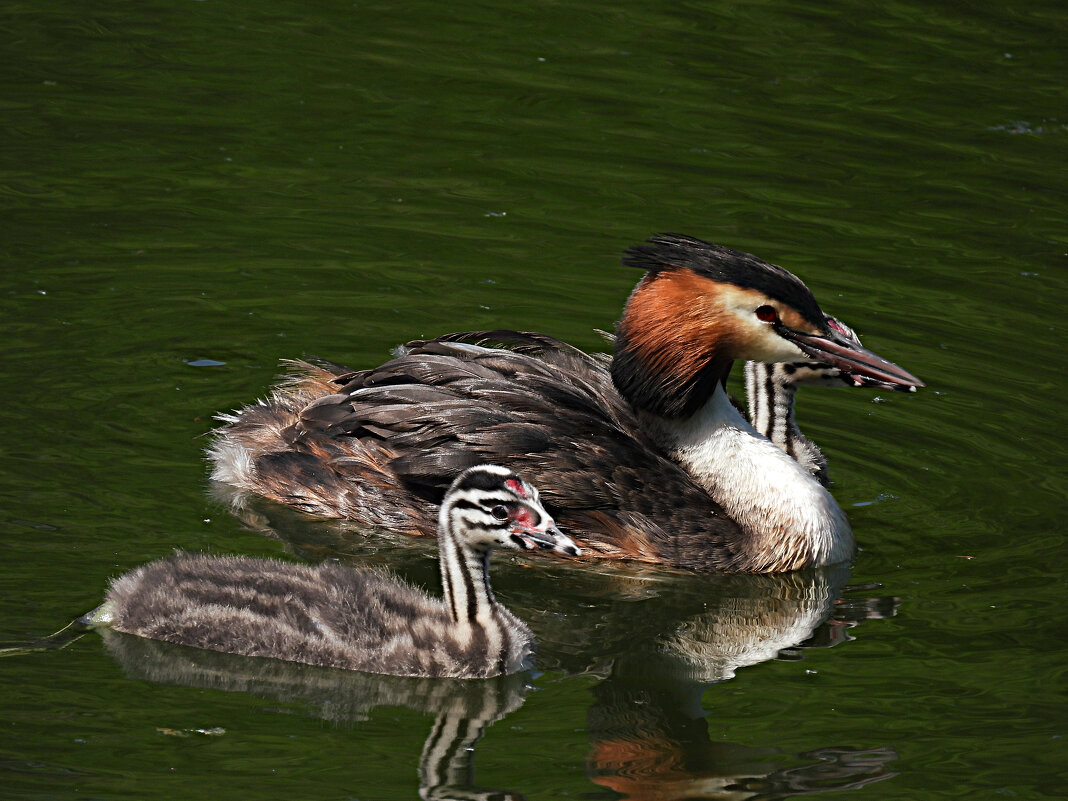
(336, 616)
(643, 459)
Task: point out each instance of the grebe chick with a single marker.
(771, 392)
(645, 459)
(336, 616)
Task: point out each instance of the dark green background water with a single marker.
(192, 191)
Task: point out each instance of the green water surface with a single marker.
(193, 191)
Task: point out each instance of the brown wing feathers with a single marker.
(381, 445)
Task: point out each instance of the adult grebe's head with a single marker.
(701, 306)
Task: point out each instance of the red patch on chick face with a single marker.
(523, 517)
(516, 486)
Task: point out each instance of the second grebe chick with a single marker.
(770, 394)
(335, 616)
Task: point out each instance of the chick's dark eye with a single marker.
(500, 512)
(767, 314)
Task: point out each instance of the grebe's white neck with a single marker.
(789, 518)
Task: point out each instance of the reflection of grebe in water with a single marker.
(462, 709)
(648, 729)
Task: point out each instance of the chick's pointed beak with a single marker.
(851, 357)
(547, 537)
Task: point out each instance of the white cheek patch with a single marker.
(768, 346)
(758, 340)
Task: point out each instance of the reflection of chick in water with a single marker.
(650, 734)
(463, 709)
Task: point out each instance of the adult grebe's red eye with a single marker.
(767, 314)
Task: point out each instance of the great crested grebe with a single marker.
(336, 616)
(644, 459)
